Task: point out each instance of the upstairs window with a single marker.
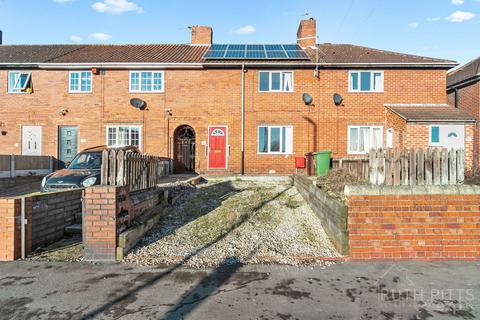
(146, 81)
(19, 81)
(275, 81)
(363, 138)
(366, 81)
(80, 82)
(275, 139)
(123, 135)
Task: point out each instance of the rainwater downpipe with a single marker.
(243, 121)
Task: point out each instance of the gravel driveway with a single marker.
(237, 221)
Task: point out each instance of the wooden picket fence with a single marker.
(357, 166)
(138, 171)
(433, 166)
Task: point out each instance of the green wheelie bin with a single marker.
(322, 162)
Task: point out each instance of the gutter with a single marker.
(196, 65)
(464, 82)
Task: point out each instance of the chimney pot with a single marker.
(202, 35)
(307, 33)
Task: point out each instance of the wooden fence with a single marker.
(434, 166)
(357, 166)
(19, 165)
(138, 171)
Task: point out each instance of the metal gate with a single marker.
(184, 149)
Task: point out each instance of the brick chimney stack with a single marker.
(201, 34)
(307, 33)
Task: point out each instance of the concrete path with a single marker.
(447, 290)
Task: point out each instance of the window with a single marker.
(80, 82)
(366, 81)
(146, 81)
(18, 81)
(362, 138)
(275, 81)
(434, 135)
(389, 143)
(119, 136)
(275, 139)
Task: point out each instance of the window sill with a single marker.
(273, 154)
(145, 92)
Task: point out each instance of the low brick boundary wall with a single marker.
(109, 210)
(51, 213)
(332, 212)
(414, 222)
(47, 216)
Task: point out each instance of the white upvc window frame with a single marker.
(282, 85)
(372, 81)
(367, 145)
(117, 126)
(288, 151)
(140, 81)
(19, 90)
(79, 90)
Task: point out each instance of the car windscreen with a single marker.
(87, 160)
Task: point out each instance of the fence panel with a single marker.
(416, 166)
(133, 169)
(20, 165)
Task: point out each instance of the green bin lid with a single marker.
(321, 152)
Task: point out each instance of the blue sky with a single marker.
(439, 28)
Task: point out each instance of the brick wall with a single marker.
(417, 223)
(10, 229)
(108, 211)
(47, 216)
(52, 212)
(332, 212)
(200, 98)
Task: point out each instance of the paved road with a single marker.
(349, 290)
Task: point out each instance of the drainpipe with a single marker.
(243, 119)
(456, 97)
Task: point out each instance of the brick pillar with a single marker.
(10, 229)
(100, 223)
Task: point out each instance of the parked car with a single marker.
(83, 171)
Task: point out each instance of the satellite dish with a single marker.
(337, 99)
(138, 103)
(307, 99)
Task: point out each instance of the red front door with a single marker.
(217, 142)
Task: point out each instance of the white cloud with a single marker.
(432, 19)
(245, 29)
(62, 1)
(413, 25)
(116, 6)
(458, 2)
(76, 39)
(461, 16)
(100, 36)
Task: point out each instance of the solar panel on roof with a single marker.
(214, 54)
(276, 54)
(218, 46)
(236, 47)
(291, 47)
(235, 54)
(296, 54)
(255, 47)
(255, 52)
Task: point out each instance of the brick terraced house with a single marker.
(224, 108)
(463, 88)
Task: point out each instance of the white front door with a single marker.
(32, 140)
